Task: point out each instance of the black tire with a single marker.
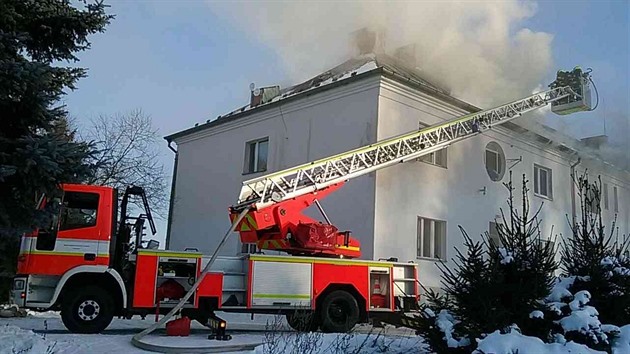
(339, 312)
(88, 309)
(303, 321)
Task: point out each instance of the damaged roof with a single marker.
(352, 69)
(391, 67)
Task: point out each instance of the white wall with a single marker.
(413, 189)
(210, 164)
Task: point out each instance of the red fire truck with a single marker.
(92, 263)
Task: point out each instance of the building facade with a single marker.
(411, 211)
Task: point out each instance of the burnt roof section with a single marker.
(352, 69)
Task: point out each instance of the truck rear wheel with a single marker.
(303, 321)
(339, 312)
(87, 310)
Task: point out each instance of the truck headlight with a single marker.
(19, 284)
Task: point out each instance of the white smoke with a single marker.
(480, 50)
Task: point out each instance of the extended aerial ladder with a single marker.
(276, 200)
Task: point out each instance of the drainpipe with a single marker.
(573, 213)
(172, 197)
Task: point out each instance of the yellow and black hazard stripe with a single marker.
(247, 224)
(273, 244)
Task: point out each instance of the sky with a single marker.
(185, 62)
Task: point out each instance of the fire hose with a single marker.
(136, 339)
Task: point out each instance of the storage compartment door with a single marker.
(281, 284)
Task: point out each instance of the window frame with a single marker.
(255, 156)
(549, 181)
(431, 158)
(501, 163)
(63, 226)
(420, 238)
(616, 199)
(605, 195)
(490, 234)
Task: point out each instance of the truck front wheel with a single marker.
(339, 312)
(87, 309)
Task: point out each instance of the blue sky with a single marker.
(181, 63)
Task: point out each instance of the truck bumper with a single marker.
(18, 291)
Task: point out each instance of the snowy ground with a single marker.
(44, 333)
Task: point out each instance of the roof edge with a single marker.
(171, 137)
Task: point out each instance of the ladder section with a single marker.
(290, 183)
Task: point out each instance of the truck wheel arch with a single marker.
(349, 288)
(82, 273)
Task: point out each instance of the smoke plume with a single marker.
(479, 50)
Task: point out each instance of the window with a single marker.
(437, 158)
(615, 199)
(256, 155)
(47, 235)
(248, 248)
(542, 181)
(431, 238)
(495, 161)
(493, 234)
(605, 195)
(78, 211)
(592, 202)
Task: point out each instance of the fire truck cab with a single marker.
(92, 267)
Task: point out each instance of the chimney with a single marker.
(255, 98)
(262, 95)
(368, 41)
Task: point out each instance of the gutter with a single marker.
(172, 196)
(573, 212)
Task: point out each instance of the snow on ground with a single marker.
(45, 333)
(621, 344)
(515, 342)
(319, 343)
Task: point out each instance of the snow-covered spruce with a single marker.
(445, 322)
(579, 321)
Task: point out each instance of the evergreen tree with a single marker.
(37, 152)
(493, 285)
(597, 257)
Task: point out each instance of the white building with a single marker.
(410, 211)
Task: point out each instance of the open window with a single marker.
(75, 210)
(79, 210)
(47, 234)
